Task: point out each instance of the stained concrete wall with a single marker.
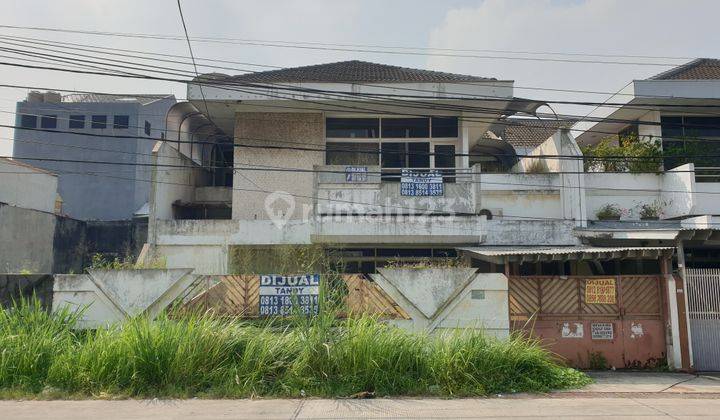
(41, 242)
(14, 287)
(110, 296)
(447, 298)
(628, 191)
(26, 240)
(24, 186)
(275, 129)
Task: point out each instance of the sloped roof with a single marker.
(529, 132)
(26, 165)
(141, 98)
(354, 71)
(698, 69)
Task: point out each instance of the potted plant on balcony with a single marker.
(609, 212)
(651, 211)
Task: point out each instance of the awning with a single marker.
(500, 255)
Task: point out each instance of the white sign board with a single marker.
(602, 330)
(278, 294)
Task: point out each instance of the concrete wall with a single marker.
(171, 184)
(628, 191)
(41, 242)
(14, 287)
(94, 191)
(679, 187)
(444, 298)
(110, 296)
(27, 187)
(268, 129)
(26, 240)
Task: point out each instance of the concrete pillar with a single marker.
(684, 319)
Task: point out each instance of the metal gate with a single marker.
(625, 329)
(703, 292)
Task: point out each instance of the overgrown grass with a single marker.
(200, 355)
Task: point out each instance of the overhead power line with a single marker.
(356, 49)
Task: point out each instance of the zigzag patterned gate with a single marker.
(555, 308)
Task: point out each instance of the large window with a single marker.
(384, 135)
(352, 153)
(121, 122)
(28, 121)
(48, 121)
(77, 121)
(364, 128)
(405, 128)
(444, 127)
(99, 121)
(690, 139)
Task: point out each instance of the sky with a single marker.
(673, 30)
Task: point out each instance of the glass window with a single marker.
(702, 126)
(406, 127)
(48, 121)
(418, 155)
(393, 155)
(351, 153)
(445, 127)
(99, 121)
(121, 121)
(28, 121)
(366, 128)
(148, 128)
(77, 121)
(671, 126)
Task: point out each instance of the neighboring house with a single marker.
(71, 129)
(380, 163)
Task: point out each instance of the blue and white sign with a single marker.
(278, 294)
(356, 174)
(421, 184)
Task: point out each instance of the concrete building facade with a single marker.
(63, 134)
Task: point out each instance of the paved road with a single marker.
(514, 408)
(614, 395)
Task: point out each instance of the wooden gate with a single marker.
(238, 296)
(616, 321)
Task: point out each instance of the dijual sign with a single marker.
(282, 295)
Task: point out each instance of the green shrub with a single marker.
(609, 212)
(626, 154)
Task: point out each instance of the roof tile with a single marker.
(354, 71)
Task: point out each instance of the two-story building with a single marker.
(380, 163)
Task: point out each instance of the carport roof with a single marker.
(537, 254)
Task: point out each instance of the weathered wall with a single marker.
(70, 251)
(40, 242)
(446, 298)
(26, 240)
(13, 287)
(170, 183)
(628, 191)
(27, 187)
(110, 296)
(268, 129)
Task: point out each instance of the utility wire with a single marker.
(330, 47)
(390, 46)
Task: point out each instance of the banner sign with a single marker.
(278, 294)
(356, 174)
(601, 330)
(600, 291)
(421, 184)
